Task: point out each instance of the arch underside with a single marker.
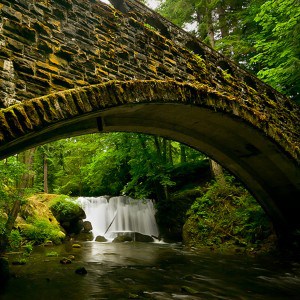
(269, 173)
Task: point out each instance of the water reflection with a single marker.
(150, 271)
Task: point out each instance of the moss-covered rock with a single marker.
(87, 226)
(68, 213)
(100, 239)
(122, 239)
(84, 236)
(139, 237)
(37, 207)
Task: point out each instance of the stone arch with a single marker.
(259, 153)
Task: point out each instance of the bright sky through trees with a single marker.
(151, 3)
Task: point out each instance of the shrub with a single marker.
(15, 240)
(226, 213)
(28, 248)
(41, 230)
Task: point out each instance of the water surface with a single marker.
(150, 271)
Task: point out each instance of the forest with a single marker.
(190, 195)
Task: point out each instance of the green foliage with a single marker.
(62, 207)
(2, 224)
(111, 164)
(226, 214)
(261, 35)
(20, 261)
(11, 171)
(15, 240)
(278, 45)
(42, 230)
(28, 248)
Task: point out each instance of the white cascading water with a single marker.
(119, 214)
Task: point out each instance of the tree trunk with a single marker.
(182, 154)
(164, 152)
(170, 152)
(217, 172)
(222, 21)
(157, 146)
(210, 28)
(27, 158)
(45, 174)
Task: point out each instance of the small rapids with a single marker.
(112, 216)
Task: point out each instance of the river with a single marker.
(150, 271)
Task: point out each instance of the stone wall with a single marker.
(52, 45)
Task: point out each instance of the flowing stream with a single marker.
(150, 271)
(135, 270)
(112, 216)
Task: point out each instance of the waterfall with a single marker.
(110, 216)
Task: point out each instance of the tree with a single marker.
(277, 45)
(12, 192)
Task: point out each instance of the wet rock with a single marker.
(19, 262)
(100, 239)
(81, 271)
(122, 239)
(84, 236)
(87, 226)
(48, 243)
(71, 257)
(76, 246)
(188, 277)
(189, 290)
(69, 215)
(65, 261)
(139, 237)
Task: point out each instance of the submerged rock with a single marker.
(65, 261)
(81, 271)
(100, 239)
(187, 289)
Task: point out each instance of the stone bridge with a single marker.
(70, 67)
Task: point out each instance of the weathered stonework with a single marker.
(77, 66)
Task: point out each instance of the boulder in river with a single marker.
(65, 261)
(87, 226)
(81, 271)
(139, 237)
(84, 236)
(122, 239)
(100, 239)
(69, 214)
